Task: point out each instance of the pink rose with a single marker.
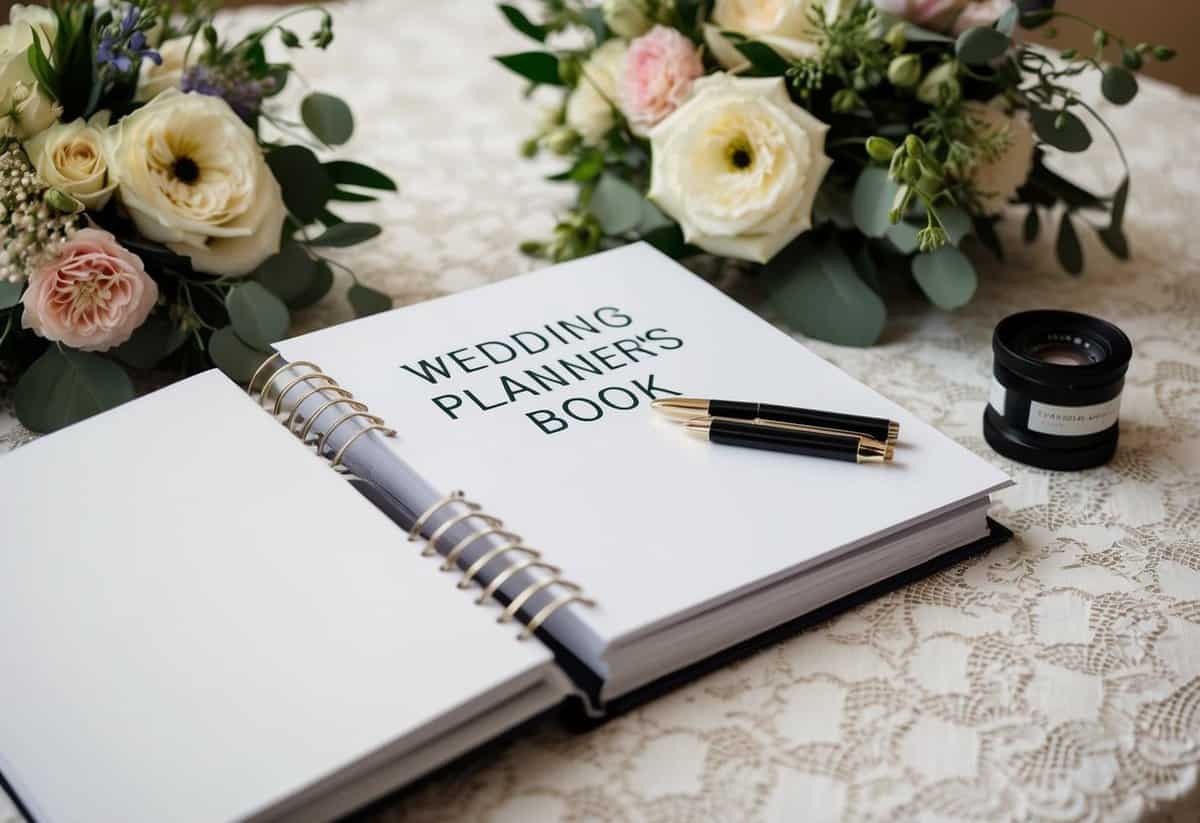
(980, 13)
(91, 295)
(660, 67)
(954, 16)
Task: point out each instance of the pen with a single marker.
(687, 408)
(784, 437)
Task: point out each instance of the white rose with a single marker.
(738, 166)
(784, 25)
(154, 78)
(996, 175)
(192, 176)
(590, 106)
(24, 108)
(73, 157)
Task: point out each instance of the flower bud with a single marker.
(845, 100)
(1163, 53)
(529, 148)
(928, 184)
(880, 149)
(633, 18)
(912, 171)
(904, 71)
(895, 37)
(941, 85)
(59, 200)
(931, 238)
(561, 140)
(899, 204)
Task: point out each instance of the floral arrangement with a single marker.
(156, 210)
(843, 149)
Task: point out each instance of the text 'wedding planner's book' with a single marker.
(201, 619)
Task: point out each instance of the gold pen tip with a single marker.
(889, 453)
(893, 432)
(680, 408)
(698, 427)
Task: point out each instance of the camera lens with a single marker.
(1056, 389)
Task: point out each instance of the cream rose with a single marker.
(91, 295)
(192, 176)
(738, 166)
(24, 109)
(72, 157)
(177, 57)
(997, 175)
(784, 25)
(590, 106)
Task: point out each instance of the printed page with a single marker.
(533, 395)
(200, 618)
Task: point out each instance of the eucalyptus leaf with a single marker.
(616, 204)
(523, 24)
(259, 317)
(152, 342)
(1007, 21)
(288, 274)
(536, 66)
(327, 117)
(980, 45)
(231, 355)
(816, 290)
(321, 283)
(305, 182)
(10, 293)
(946, 276)
(349, 173)
(588, 167)
(1033, 224)
(365, 300)
(1117, 218)
(985, 230)
(1070, 253)
(1114, 240)
(915, 34)
(1118, 85)
(903, 236)
(872, 200)
(764, 59)
(652, 218)
(346, 234)
(1071, 135)
(957, 223)
(64, 386)
(866, 267)
(593, 18)
(346, 196)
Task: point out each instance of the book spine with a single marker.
(327, 418)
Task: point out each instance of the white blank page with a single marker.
(199, 618)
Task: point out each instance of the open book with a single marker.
(202, 619)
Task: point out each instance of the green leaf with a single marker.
(652, 218)
(259, 317)
(1118, 85)
(346, 234)
(231, 355)
(980, 45)
(10, 293)
(616, 204)
(667, 239)
(321, 283)
(1070, 253)
(522, 23)
(349, 173)
(152, 342)
(588, 167)
(1033, 224)
(816, 290)
(593, 18)
(765, 60)
(946, 276)
(1071, 135)
(1120, 197)
(1114, 240)
(288, 274)
(39, 64)
(347, 196)
(957, 223)
(305, 182)
(873, 194)
(327, 117)
(985, 230)
(1008, 20)
(903, 236)
(365, 300)
(537, 66)
(916, 34)
(64, 386)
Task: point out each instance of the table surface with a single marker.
(1054, 678)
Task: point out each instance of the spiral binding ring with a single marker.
(492, 526)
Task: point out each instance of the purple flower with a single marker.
(123, 45)
(243, 94)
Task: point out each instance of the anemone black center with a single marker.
(186, 170)
(741, 158)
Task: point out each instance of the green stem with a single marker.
(263, 32)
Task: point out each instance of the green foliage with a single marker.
(522, 23)
(1118, 85)
(305, 182)
(1061, 129)
(328, 118)
(1070, 253)
(538, 67)
(152, 342)
(872, 201)
(346, 234)
(365, 300)
(259, 317)
(233, 356)
(946, 276)
(10, 293)
(64, 386)
(289, 274)
(617, 205)
(980, 45)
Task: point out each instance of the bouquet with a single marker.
(842, 149)
(156, 210)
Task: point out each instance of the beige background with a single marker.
(1175, 23)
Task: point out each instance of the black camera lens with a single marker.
(1056, 389)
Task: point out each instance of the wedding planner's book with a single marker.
(221, 604)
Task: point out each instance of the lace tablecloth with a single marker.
(1055, 678)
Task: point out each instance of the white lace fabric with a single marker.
(1055, 678)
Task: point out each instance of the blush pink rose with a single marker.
(91, 295)
(660, 68)
(954, 16)
(980, 13)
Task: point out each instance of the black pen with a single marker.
(688, 408)
(785, 437)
